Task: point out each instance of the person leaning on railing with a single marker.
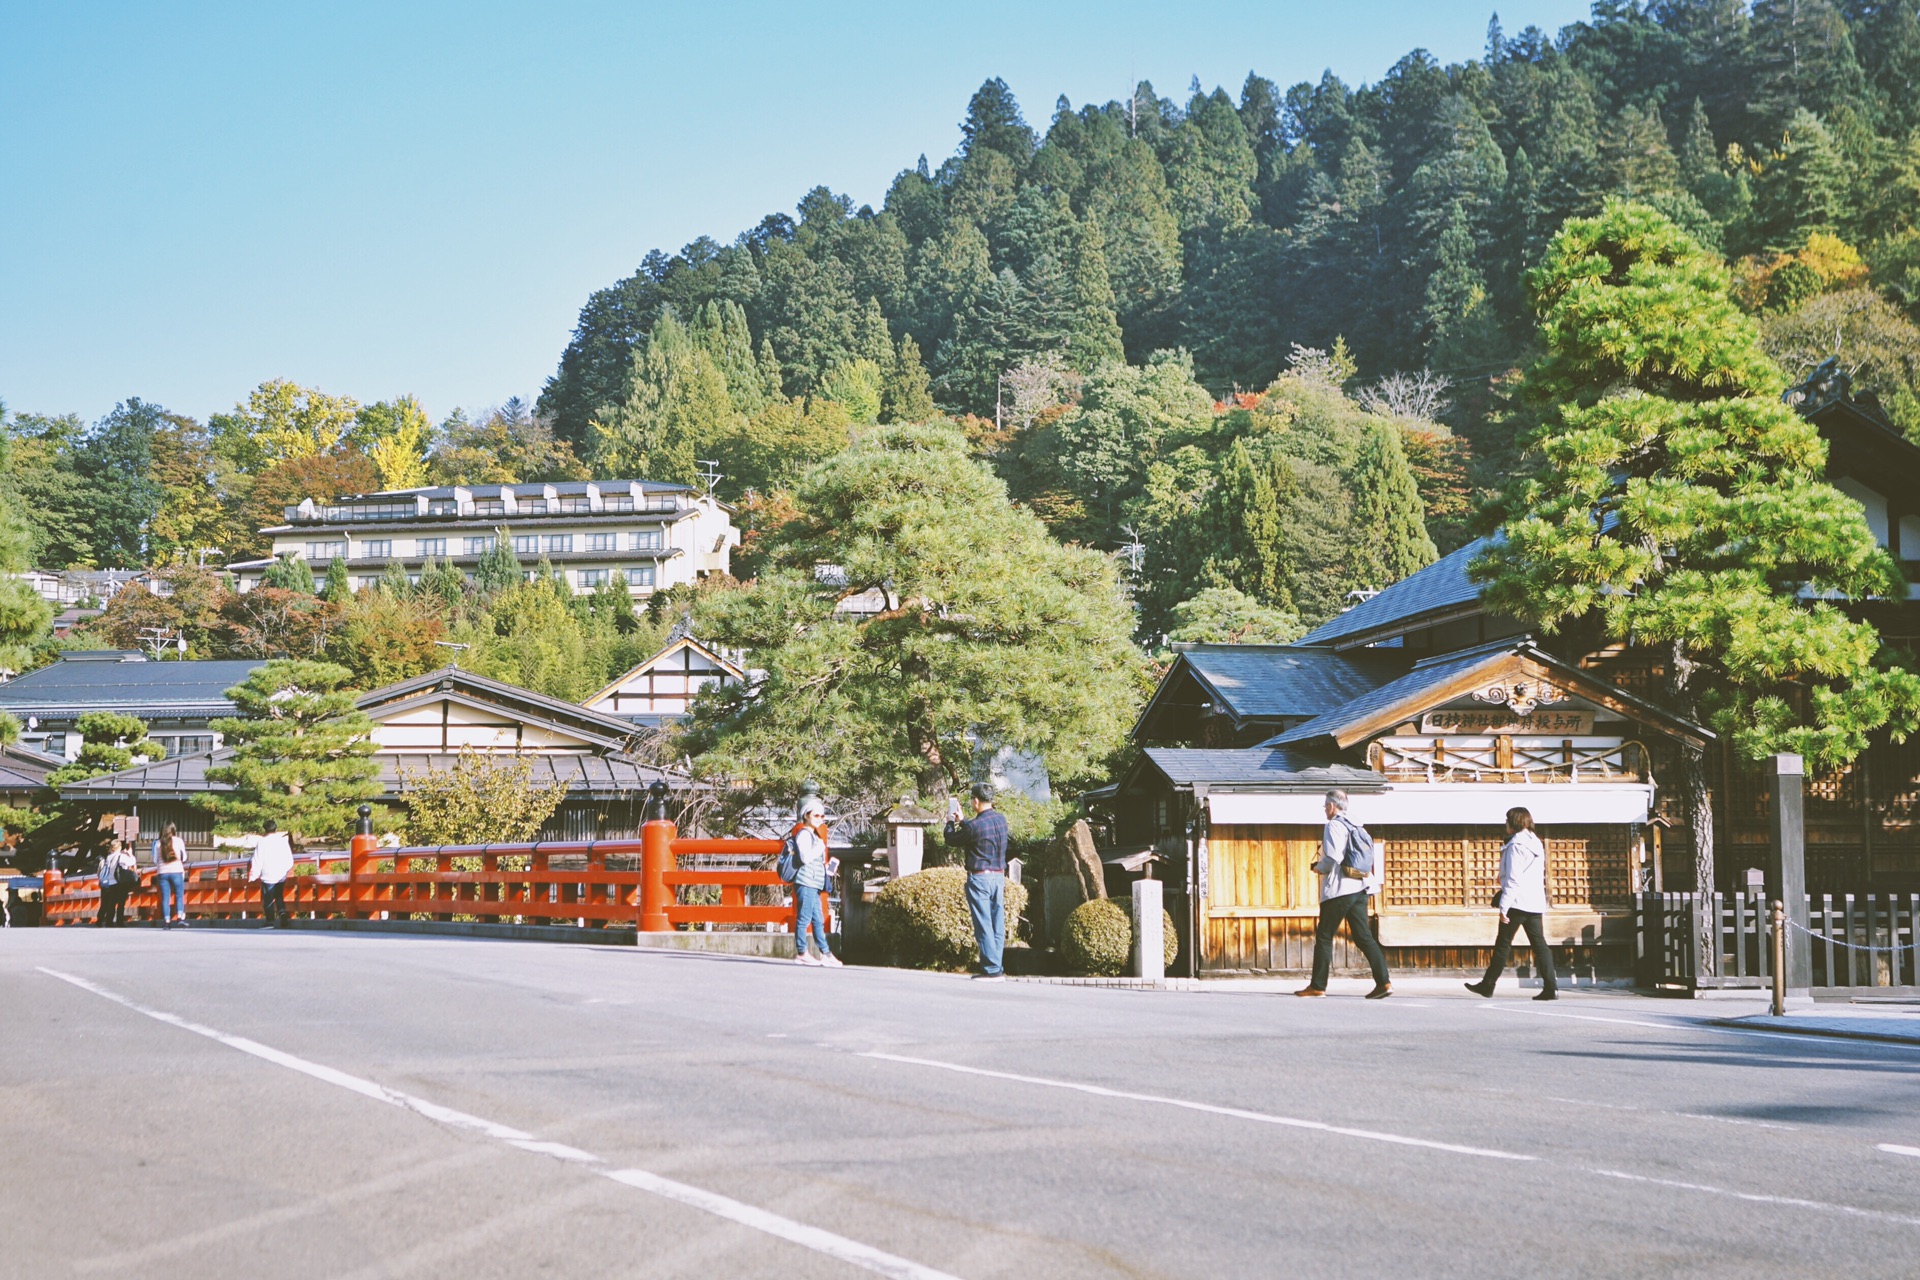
(170, 873)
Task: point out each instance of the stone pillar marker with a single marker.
(1787, 870)
(907, 827)
(1149, 931)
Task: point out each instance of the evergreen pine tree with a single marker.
(499, 568)
(1461, 332)
(1094, 333)
(1678, 503)
(1805, 187)
(1389, 518)
(394, 581)
(290, 573)
(301, 753)
(906, 393)
(339, 587)
(678, 402)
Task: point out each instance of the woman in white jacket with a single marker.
(1523, 904)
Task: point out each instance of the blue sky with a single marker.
(378, 198)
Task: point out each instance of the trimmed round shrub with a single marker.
(922, 920)
(1098, 939)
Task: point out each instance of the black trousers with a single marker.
(113, 905)
(273, 901)
(1503, 949)
(1351, 907)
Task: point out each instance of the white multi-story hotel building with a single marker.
(642, 533)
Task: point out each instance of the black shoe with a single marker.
(1480, 989)
(1381, 992)
(1548, 995)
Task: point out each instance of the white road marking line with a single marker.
(1756, 1198)
(1263, 1117)
(852, 1252)
(1103, 1092)
(1892, 1148)
(1811, 1042)
(1654, 1111)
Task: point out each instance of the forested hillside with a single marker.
(1108, 301)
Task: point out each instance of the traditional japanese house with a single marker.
(1436, 715)
(424, 724)
(662, 688)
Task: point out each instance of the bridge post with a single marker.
(360, 859)
(656, 859)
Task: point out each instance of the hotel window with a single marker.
(616, 502)
(574, 506)
(489, 507)
(443, 507)
(479, 546)
(376, 548)
(600, 542)
(430, 546)
(559, 542)
(526, 544)
(646, 540)
(640, 576)
(326, 550)
(593, 577)
(533, 506)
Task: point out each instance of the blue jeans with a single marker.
(810, 920)
(173, 895)
(987, 904)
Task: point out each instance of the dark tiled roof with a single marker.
(1259, 681)
(586, 776)
(1185, 766)
(1419, 686)
(563, 489)
(24, 769)
(127, 685)
(1440, 587)
(1430, 674)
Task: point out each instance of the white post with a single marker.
(1149, 931)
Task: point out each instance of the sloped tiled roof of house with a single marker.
(1184, 766)
(136, 687)
(1439, 589)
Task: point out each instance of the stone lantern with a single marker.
(907, 837)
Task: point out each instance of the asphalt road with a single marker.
(215, 1103)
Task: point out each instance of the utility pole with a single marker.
(710, 472)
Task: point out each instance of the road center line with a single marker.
(852, 1252)
(1238, 1113)
(1895, 1149)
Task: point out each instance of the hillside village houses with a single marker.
(643, 533)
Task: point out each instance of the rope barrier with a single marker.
(1855, 946)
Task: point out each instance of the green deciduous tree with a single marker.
(395, 435)
(1224, 615)
(301, 753)
(1678, 503)
(481, 798)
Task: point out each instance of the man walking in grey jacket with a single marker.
(1343, 896)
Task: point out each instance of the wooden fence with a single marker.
(589, 884)
(1858, 942)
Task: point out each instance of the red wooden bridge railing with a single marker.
(545, 882)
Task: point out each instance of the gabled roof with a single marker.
(24, 769)
(1252, 682)
(732, 668)
(1436, 593)
(140, 687)
(1441, 679)
(608, 732)
(1186, 766)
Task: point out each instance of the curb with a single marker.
(1786, 1027)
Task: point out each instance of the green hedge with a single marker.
(1098, 939)
(921, 920)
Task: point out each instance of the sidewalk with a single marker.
(1888, 1024)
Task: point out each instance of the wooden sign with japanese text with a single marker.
(1558, 724)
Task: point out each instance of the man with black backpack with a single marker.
(1349, 869)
